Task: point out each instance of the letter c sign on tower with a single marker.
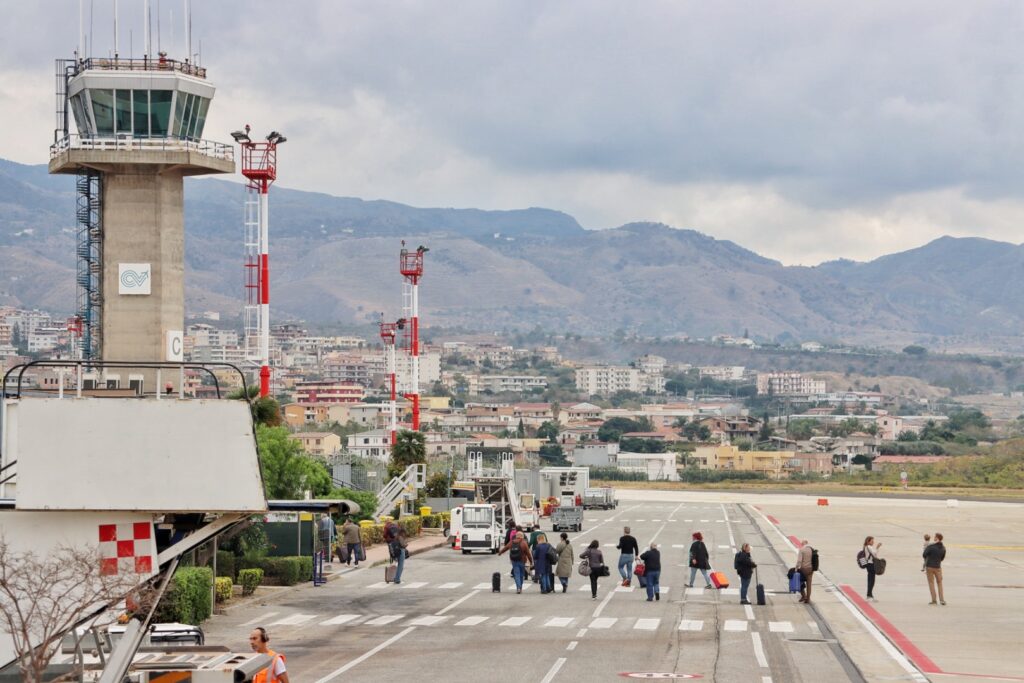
(175, 346)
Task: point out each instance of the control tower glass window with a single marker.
(140, 113)
(159, 112)
(123, 117)
(78, 107)
(103, 111)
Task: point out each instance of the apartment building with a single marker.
(788, 384)
(208, 335)
(516, 384)
(328, 392)
(345, 368)
(371, 444)
(726, 457)
(321, 444)
(723, 373)
(605, 380)
(581, 412)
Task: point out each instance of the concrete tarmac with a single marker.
(444, 623)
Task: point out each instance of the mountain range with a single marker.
(335, 260)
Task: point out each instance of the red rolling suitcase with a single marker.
(718, 580)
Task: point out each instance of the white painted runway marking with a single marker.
(515, 621)
(293, 620)
(814, 627)
(261, 620)
(339, 620)
(704, 521)
(695, 591)
(458, 602)
(560, 622)
(780, 626)
(609, 545)
(553, 670)
(691, 625)
(729, 591)
(482, 587)
(427, 621)
(414, 584)
(671, 520)
(759, 650)
(362, 658)
(655, 520)
(603, 622)
(766, 679)
(646, 624)
(571, 646)
(582, 632)
(384, 620)
(680, 545)
(379, 584)
(471, 621)
(625, 589)
(449, 586)
(687, 520)
(749, 612)
(735, 625)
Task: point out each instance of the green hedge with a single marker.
(250, 578)
(287, 571)
(187, 599)
(437, 521)
(371, 535)
(226, 564)
(222, 588)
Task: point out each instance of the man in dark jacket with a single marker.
(933, 557)
(744, 566)
(628, 549)
(652, 572)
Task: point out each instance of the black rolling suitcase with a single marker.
(760, 589)
(496, 582)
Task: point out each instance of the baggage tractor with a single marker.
(760, 589)
(496, 582)
(718, 580)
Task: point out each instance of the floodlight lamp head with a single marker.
(241, 136)
(281, 140)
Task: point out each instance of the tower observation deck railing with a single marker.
(126, 143)
(144, 64)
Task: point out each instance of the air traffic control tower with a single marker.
(140, 132)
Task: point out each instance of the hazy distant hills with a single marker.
(336, 259)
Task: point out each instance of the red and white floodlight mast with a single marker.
(388, 332)
(259, 166)
(411, 267)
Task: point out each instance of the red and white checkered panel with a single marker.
(126, 548)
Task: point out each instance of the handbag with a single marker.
(584, 567)
(605, 570)
(639, 569)
(879, 566)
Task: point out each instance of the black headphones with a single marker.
(264, 638)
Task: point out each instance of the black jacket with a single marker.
(699, 552)
(652, 560)
(743, 565)
(628, 545)
(934, 555)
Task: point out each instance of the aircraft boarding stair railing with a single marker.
(401, 489)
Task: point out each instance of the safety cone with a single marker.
(458, 542)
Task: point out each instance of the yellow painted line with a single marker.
(1012, 548)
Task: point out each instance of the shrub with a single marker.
(187, 599)
(222, 588)
(226, 564)
(372, 534)
(305, 568)
(437, 520)
(286, 570)
(412, 526)
(250, 578)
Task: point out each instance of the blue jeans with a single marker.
(653, 586)
(704, 573)
(519, 573)
(626, 566)
(545, 582)
(401, 564)
(353, 550)
(744, 585)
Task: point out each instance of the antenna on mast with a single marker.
(115, 29)
(159, 47)
(148, 45)
(188, 30)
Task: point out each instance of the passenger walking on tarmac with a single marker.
(933, 555)
(565, 560)
(350, 536)
(744, 566)
(398, 547)
(628, 549)
(276, 672)
(699, 560)
(543, 559)
(652, 572)
(519, 554)
(805, 565)
(535, 533)
(595, 557)
(870, 555)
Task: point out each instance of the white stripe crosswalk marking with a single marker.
(482, 587)
(695, 591)
(293, 620)
(339, 620)
(780, 626)
(687, 520)
(384, 620)
(603, 622)
(449, 586)
(379, 584)
(471, 621)
(705, 521)
(261, 620)
(735, 625)
(625, 589)
(560, 622)
(672, 520)
(691, 625)
(646, 624)
(414, 584)
(427, 621)
(729, 591)
(584, 587)
(720, 547)
(655, 520)
(814, 627)
(679, 545)
(749, 611)
(515, 621)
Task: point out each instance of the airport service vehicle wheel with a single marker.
(465, 552)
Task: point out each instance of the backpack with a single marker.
(390, 531)
(552, 556)
(862, 559)
(515, 553)
(814, 560)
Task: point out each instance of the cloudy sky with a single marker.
(805, 130)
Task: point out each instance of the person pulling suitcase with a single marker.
(744, 566)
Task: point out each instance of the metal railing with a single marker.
(144, 64)
(399, 488)
(127, 143)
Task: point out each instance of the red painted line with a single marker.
(796, 541)
(772, 520)
(912, 652)
(987, 677)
